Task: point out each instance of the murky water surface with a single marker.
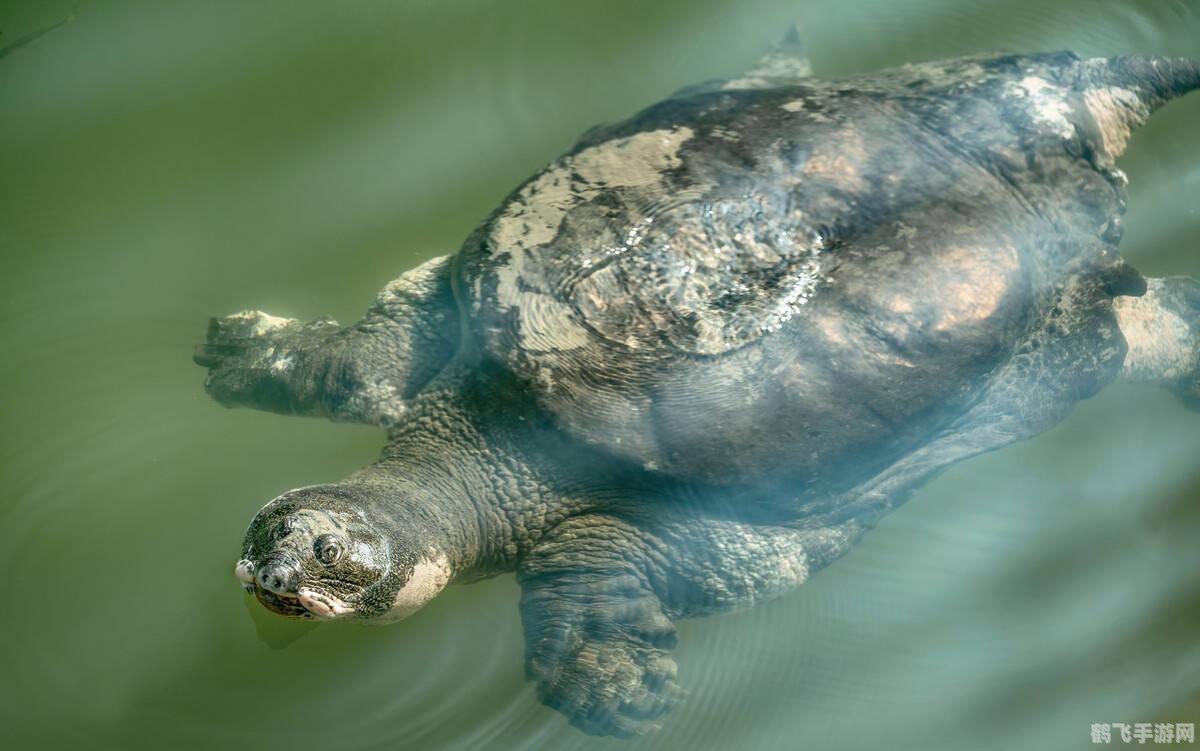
(163, 162)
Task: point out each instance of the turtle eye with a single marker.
(327, 549)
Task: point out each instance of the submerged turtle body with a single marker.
(691, 361)
(828, 270)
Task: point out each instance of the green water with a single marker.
(164, 162)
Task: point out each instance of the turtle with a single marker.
(691, 361)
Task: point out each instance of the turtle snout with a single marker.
(244, 571)
(279, 577)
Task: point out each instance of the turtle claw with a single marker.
(600, 656)
(238, 335)
(615, 687)
(252, 359)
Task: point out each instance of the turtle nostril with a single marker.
(279, 578)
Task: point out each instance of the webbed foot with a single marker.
(255, 359)
(598, 647)
(1184, 296)
(361, 373)
(1162, 331)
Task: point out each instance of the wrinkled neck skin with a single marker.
(458, 477)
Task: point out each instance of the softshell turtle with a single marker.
(688, 363)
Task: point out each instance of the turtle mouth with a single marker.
(305, 605)
(285, 605)
(322, 607)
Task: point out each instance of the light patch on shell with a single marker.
(1048, 105)
(707, 277)
(796, 105)
(839, 160)
(1117, 111)
(534, 217)
(974, 291)
(429, 576)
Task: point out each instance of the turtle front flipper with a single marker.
(361, 373)
(1162, 331)
(597, 640)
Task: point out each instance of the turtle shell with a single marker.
(793, 281)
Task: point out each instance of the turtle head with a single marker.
(319, 553)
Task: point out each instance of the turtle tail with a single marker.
(1122, 92)
(1156, 80)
